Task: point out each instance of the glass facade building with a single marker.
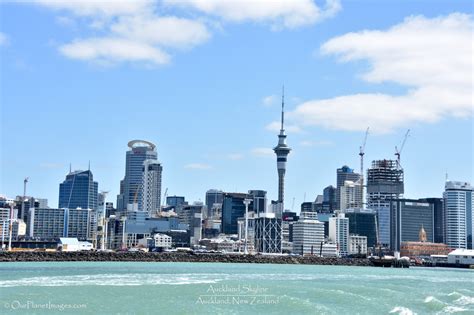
(78, 190)
(131, 185)
(362, 222)
(459, 213)
(344, 174)
(233, 207)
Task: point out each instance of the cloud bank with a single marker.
(432, 58)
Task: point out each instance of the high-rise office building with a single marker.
(351, 195)
(233, 207)
(339, 233)
(459, 213)
(78, 190)
(282, 150)
(384, 183)
(267, 231)
(131, 185)
(175, 201)
(329, 203)
(214, 198)
(151, 187)
(408, 217)
(344, 174)
(191, 215)
(259, 204)
(438, 218)
(308, 234)
(363, 222)
(51, 223)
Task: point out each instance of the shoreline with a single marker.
(179, 257)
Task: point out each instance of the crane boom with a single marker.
(398, 152)
(361, 154)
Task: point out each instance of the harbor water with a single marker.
(219, 288)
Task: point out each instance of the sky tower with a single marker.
(282, 150)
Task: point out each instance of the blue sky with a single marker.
(202, 80)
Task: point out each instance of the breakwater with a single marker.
(178, 257)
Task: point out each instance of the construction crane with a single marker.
(361, 154)
(398, 152)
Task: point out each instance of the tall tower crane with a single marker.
(361, 154)
(398, 152)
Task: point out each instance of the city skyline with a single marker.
(216, 129)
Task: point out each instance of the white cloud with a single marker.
(268, 101)
(99, 8)
(198, 166)
(131, 31)
(276, 125)
(114, 50)
(431, 57)
(167, 31)
(263, 152)
(279, 13)
(3, 39)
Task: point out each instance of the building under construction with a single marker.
(384, 183)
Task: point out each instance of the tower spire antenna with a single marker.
(282, 107)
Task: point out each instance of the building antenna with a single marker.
(282, 107)
(70, 167)
(89, 165)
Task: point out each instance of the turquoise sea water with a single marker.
(199, 288)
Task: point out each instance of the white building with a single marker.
(68, 244)
(339, 233)
(357, 244)
(459, 213)
(308, 234)
(151, 194)
(162, 240)
(329, 250)
(461, 257)
(351, 195)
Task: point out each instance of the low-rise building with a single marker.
(461, 256)
(329, 250)
(357, 244)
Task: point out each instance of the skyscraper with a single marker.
(214, 198)
(259, 201)
(151, 188)
(308, 234)
(282, 150)
(339, 233)
(131, 185)
(459, 213)
(384, 183)
(78, 190)
(233, 207)
(344, 174)
(408, 217)
(351, 195)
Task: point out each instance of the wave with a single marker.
(110, 280)
(400, 310)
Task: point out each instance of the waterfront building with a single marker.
(250, 232)
(329, 250)
(281, 150)
(22, 206)
(423, 248)
(78, 190)
(151, 187)
(461, 256)
(308, 234)
(131, 185)
(344, 174)
(53, 223)
(459, 213)
(268, 237)
(233, 207)
(351, 195)
(357, 244)
(408, 216)
(363, 222)
(339, 233)
(384, 183)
